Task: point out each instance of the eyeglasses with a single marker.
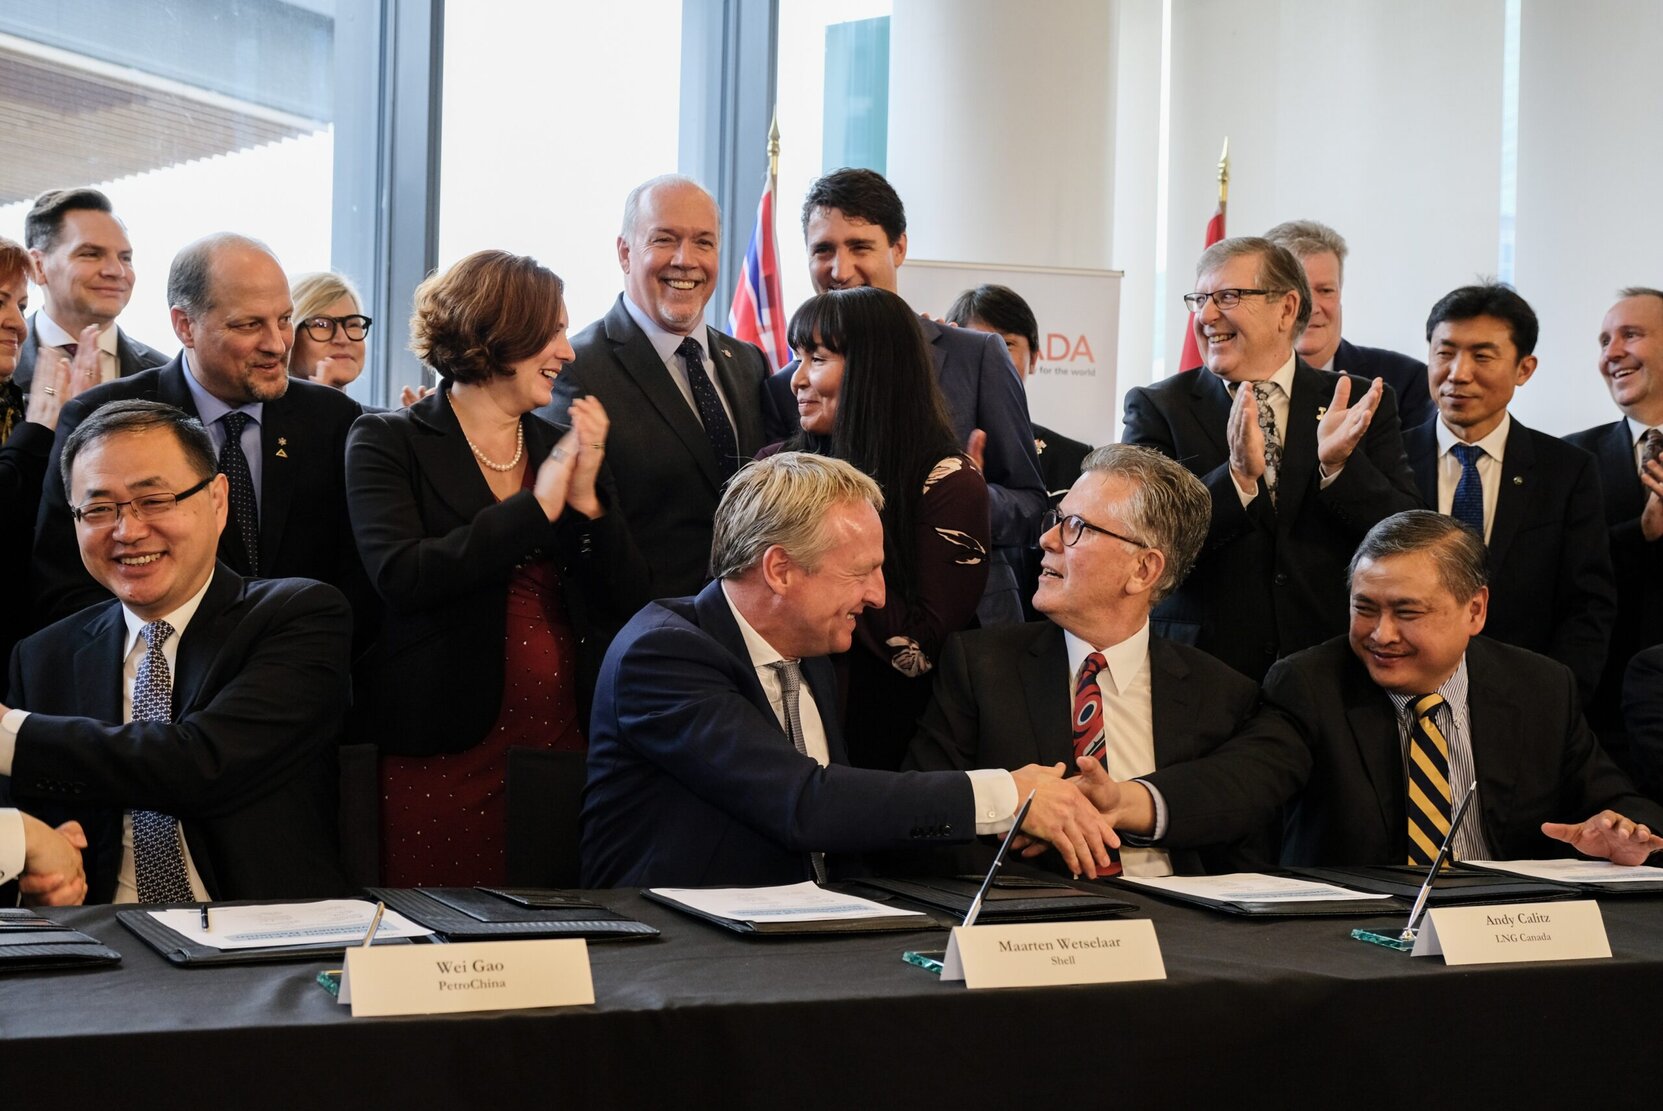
(104, 514)
(1224, 298)
(322, 328)
(1074, 526)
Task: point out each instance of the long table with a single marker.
(1257, 1013)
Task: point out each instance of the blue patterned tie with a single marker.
(245, 510)
(158, 861)
(1468, 507)
(711, 414)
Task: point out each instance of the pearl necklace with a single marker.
(519, 451)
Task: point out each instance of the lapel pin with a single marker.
(727, 352)
(1321, 411)
(282, 442)
(1518, 480)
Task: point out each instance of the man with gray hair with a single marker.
(1411, 708)
(1322, 251)
(280, 442)
(1299, 463)
(1197, 774)
(683, 398)
(715, 756)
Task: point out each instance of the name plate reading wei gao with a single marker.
(1035, 953)
(474, 976)
(1520, 932)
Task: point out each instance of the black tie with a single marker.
(711, 413)
(245, 511)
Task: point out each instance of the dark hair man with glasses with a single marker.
(190, 725)
(1197, 774)
(281, 443)
(1299, 463)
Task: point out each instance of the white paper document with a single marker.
(1250, 887)
(798, 902)
(329, 921)
(1572, 871)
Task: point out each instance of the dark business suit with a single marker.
(1643, 718)
(23, 458)
(1636, 563)
(248, 763)
(1536, 759)
(1003, 700)
(1406, 376)
(659, 454)
(131, 355)
(693, 782)
(304, 531)
(982, 390)
(440, 549)
(1551, 589)
(1270, 579)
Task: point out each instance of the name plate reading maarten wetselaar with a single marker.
(1032, 954)
(474, 976)
(1520, 932)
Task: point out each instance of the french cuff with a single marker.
(1160, 819)
(11, 845)
(10, 725)
(995, 796)
(1246, 496)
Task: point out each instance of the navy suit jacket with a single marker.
(1536, 759)
(1642, 706)
(982, 390)
(304, 531)
(248, 763)
(1270, 579)
(659, 455)
(131, 355)
(1002, 700)
(693, 782)
(1636, 562)
(1405, 375)
(1551, 588)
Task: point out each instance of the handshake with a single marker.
(1078, 816)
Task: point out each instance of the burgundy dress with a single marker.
(444, 818)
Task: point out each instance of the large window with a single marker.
(551, 115)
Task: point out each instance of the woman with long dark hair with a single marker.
(866, 393)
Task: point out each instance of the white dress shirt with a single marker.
(48, 334)
(1494, 446)
(1128, 732)
(665, 343)
(993, 788)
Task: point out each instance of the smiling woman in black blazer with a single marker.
(485, 530)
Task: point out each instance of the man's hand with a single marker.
(52, 874)
(1609, 835)
(1064, 817)
(1651, 517)
(409, 395)
(1341, 428)
(976, 448)
(1247, 440)
(1127, 806)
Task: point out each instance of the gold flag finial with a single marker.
(1224, 173)
(774, 147)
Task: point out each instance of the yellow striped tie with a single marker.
(1429, 802)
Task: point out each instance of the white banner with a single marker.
(1072, 390)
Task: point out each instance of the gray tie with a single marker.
(791, 684)
(158, 861)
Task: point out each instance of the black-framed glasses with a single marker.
(104, 514)
(1224, 298)
(1074, 526)
(322, 328)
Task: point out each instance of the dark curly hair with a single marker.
(488, 311)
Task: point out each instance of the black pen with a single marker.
(1016, 823)
(206, 927)
(1413, 927)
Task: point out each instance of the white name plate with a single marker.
(1519, 932)
(1031, 954)
(475, 976)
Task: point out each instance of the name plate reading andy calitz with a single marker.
(1518, 932)
(1032, 954)
(472, 976)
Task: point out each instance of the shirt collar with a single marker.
(49, 333)
(761, 652)
(1636, 430)
(1494, 445)
(1125, 660)
(1453, 690)
(1282, 379)
(179, 618)
(208, 407)
(665, 343)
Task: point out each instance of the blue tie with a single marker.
(711, 414)
(158, 861)
(245, 513)
(1468, 507)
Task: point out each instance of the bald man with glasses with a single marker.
(1197, 773)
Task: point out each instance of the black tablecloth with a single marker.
(1255, 1013)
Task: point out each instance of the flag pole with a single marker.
(1224, 174)
(774, 149)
